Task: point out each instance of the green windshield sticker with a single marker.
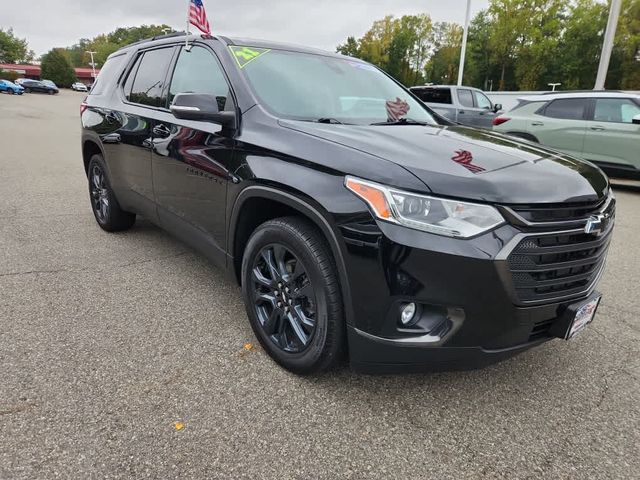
(245, 55)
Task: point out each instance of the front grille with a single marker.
(558, 213)
(559, 265)
(545, 267)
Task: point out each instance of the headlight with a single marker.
(452, 218)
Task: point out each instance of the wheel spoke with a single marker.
(272, 322)
(261, 279)
(266, 298)
(302, 317)
(267, 256)
(296, 326)
(279, 253)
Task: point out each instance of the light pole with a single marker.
(464, 43)
(93, 65)
(553, 86)
(607, 44)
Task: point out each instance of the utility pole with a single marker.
(464, 43)
(93, 65)
(607, 44)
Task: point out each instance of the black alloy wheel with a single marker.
(284, 298)
(104, 204)
(99, 193)
(292, 295)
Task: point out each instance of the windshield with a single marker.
(312, 87)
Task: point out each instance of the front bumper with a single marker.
(469, 279)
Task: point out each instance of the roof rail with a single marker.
(580, 91)
(151, 39)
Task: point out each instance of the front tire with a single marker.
(292, 296)
(104, 204)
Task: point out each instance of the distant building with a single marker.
(84, 75)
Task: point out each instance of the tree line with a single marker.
(512, 45)
(58, 64)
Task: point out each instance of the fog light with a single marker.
(408, 313)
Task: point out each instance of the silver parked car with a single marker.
(79, 87)
(466, 105)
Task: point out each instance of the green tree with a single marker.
(349, 48)
(105, 44)
(624, 71)
(443, 65)
(57, 68)
(581, 44)
(14, 49)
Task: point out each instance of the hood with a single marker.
(474, 164)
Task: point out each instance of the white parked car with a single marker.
(79, 87)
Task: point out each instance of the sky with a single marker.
(317, 23)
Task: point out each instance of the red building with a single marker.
(84, 75)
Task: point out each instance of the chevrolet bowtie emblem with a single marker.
(596, 224)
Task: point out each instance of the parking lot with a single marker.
(106, 341)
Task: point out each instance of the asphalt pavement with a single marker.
(129, 356)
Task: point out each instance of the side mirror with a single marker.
(636, 120)
(497, 107)
(201, 107)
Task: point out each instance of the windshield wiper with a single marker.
(329, 120)
(402, 121)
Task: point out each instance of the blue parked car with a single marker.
(10, 87)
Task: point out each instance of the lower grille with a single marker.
(550, 266)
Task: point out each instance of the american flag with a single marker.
(465, 158)
(198, 16)
(397, 109)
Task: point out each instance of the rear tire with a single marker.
(27, 90)
(104, 204)
(292, 296)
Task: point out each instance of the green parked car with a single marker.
(602, 127)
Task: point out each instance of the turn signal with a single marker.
(372, 195)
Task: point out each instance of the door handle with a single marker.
(597, 128)
(161, 131)
(461, 112)
(537, 124)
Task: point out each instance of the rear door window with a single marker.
(617, 110)
(567, 108)
(149, 86)
(465, 97)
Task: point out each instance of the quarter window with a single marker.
(618, 110)
(198, 71)
(149, 84)
(567, 108)
(466, 98)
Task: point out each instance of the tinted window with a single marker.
(198, 71)
(434, 95)
(481, 100)
(465, 97)
(110, 71)
(149, 84)
(620, 110)
(567, 108)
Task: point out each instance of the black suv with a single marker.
(355, 219)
